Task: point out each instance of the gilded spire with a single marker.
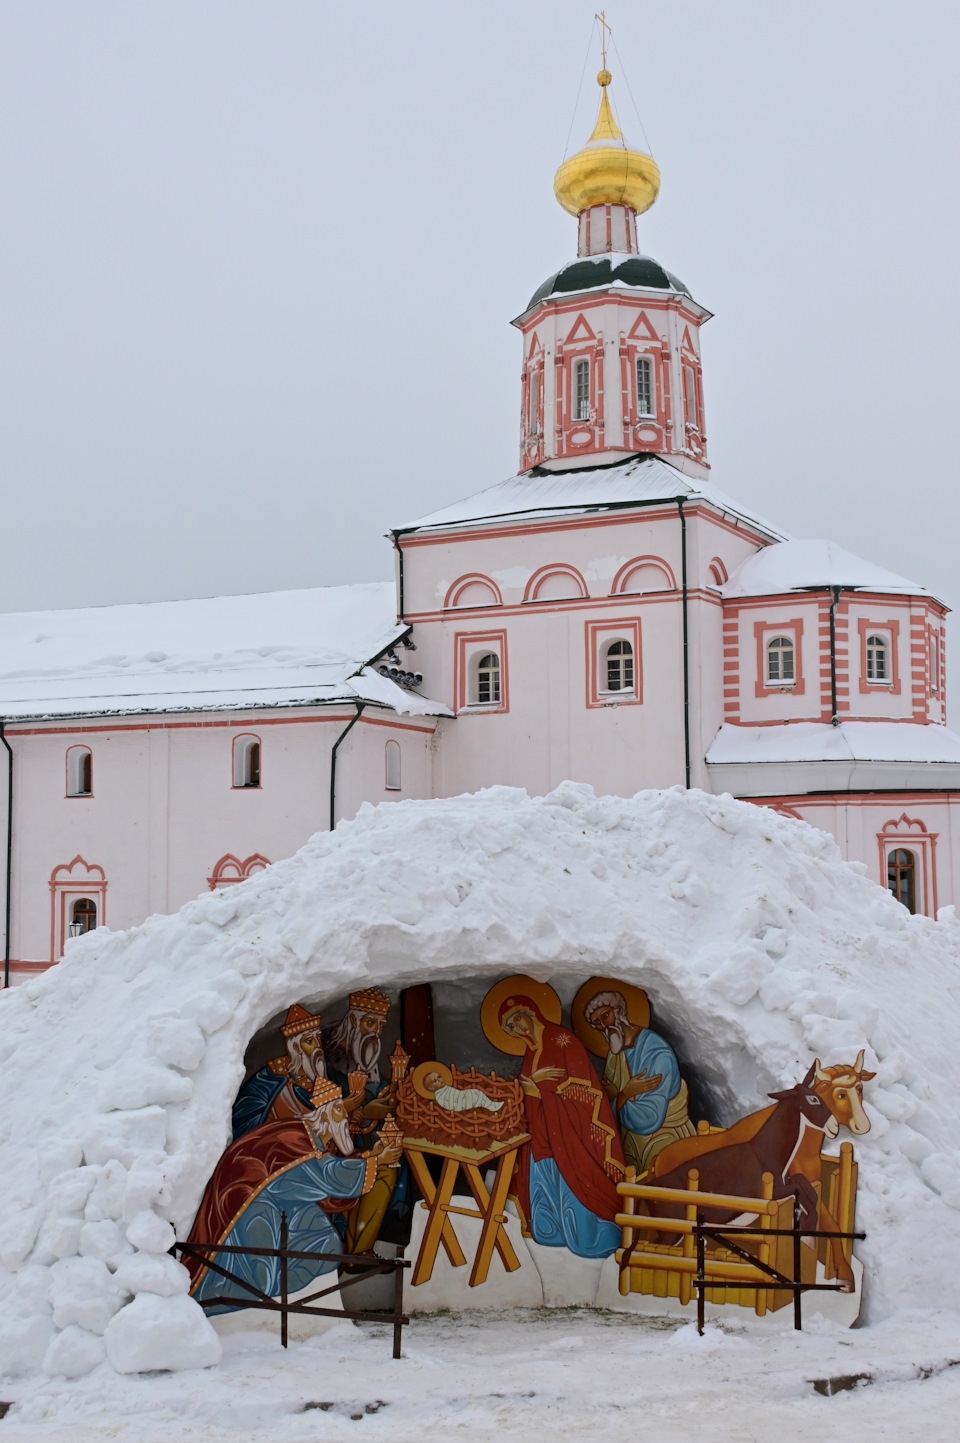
(606, 171)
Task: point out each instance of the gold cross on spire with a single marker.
(604, 31)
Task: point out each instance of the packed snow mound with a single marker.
(760, 948)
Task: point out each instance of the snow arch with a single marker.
(759, 946)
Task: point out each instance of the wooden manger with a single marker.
(669, 1270)
(471, 1140)
(474, 1131)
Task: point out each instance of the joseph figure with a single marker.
(642, 1079)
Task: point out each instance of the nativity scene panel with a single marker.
(555, 1170)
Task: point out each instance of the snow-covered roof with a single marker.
(280, 648)
(874, 741)
(804, 565)
(638, 481)
(801, 757)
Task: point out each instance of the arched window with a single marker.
(902, 877)
(83, 916)
(486, 687)
(645, 405)
(393, 766)
(878, 658)
(79, 772)
(617, 666)
(581, 381)
(246, 761)
(780, 660)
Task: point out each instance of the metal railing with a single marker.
(359, 1268)
(704, 1277)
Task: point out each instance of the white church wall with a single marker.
(762, 702)
(866, 826)
(890, 617)
(164, 811)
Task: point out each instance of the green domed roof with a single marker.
(586, 275)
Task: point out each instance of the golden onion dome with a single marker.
(606, 171)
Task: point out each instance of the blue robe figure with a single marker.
(282, 1088)
(650, 1119)
(275, 1168)
(270, 1095)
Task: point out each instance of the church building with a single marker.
(608, 615)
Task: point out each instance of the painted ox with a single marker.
(784, 1140)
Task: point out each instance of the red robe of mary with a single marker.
(572, 1123)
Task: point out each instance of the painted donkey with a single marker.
(784, 1140)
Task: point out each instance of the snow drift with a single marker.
(760, 947)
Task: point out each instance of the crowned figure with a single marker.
(304, 1166)
(282, 1088)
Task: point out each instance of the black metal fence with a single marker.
(704, 1232)
(357, 1269)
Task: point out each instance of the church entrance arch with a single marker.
(78, 897)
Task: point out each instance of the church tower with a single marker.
(611, 342)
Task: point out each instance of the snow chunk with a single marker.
(84, 1291)
(73, 1353)
(126, 1135)
(156, 1332)
(150, 1234)
(152, 1273)
(178, 1042)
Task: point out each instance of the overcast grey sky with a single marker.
(258, 260)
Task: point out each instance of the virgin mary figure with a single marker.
(566, 1178)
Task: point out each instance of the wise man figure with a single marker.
(642, 1079)
(283, 1087)
(353, 1044)
(304, 1166)
(351, 1049)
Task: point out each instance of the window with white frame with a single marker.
(690, 386)
(781, 661)
(934, 664)
(533, 400)
(616, 666)
(79, 772)
(878, 657)
(246, 761)
(644, 386)
(486, 680)
(581, 380)
(393, 766)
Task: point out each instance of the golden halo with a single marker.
(523, 986)
(420, 1072)
(638, 1011)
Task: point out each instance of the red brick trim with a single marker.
(230, 870)
(629, 567)
(911, 834)
(89, 880)
(893, 685)
(555, 568)
(798, 686)
(595, 633)
(471, 578)
(477, 641)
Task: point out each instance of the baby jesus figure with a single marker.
(436, 1082)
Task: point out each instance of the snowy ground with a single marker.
(533, 1375)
